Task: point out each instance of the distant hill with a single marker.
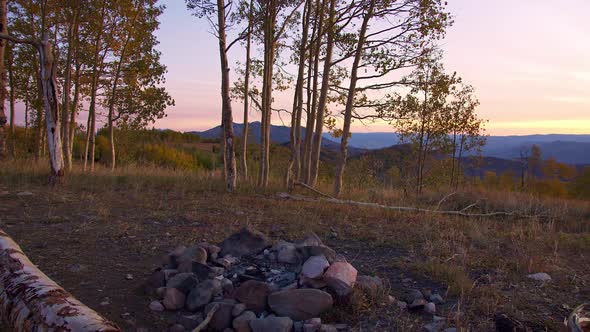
(278, 135)
(571, 149)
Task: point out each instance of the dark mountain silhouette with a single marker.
(278, 135)
(570, 149)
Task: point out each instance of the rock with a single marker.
(227, 286)
(298, 326)
(183, 282)
(253, 294)
(372, 286)
(238, 309)
(417, 304)
(402, 305)
(433, 327)
(341, 277)
(169, 273)
(430, 308)
(328, 328)
(176, 328)
(300, 304)
(312, 325)
(246, 242)
(173, 299)
(128, 276)
(411, 295)
(309, 251)
(24, 193)
(272, 324)
(542, 276)
(450, 329)
(242, 322)
(436, 299)
(202, 294)
(156, 306)
(156, 280)
(287, 253)
(310, 239)
(426, 292)
(314, 267)
(222, 318)
(313, 283)
(193, 254)
(212, 250)
(76, 268)
(160, 292)
(190, 321)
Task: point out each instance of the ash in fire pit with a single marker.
(248, 284)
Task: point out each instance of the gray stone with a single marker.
(314, 267)
(202, 294)
(310, 239)
(193, 254)
(430, 308)
(176, 328)
(253, 294)
(436, 299)
(24, 193)
(287, 253)
(411, 295)
(156, 280)
(450, 329)
(372, 286)
(272, 324)
(173, 299)
(242, 322)
(309, 251)
(246, 242)
(300, 304)
(433, 327)
(541, 276)
(156, 306)
(183, 282)
(238, 309)
(328, 328)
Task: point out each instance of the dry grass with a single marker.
(482, 262)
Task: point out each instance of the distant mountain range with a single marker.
(571, 149)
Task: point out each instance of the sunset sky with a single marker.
(529, 61)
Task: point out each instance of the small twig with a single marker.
(444, 199)
(207, 319)
(468, 207)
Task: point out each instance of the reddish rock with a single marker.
(300, 304)
(253, 294)
(173, 299)
(222, 318)
(372, 286)
(314, 267)
(242, 322)
(341, 277)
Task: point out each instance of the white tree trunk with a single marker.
(30, 301)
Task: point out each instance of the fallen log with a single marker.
(31, 301)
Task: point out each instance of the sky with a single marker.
(529, 61)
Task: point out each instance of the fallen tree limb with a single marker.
(30, 301)
(404, 208)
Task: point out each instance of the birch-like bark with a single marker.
(350, 101)
(321, 111)
(294, 166)
(3, 119)
(30, 301)
(244, 162)
(311, 113)
(229, 156)
(67, 88)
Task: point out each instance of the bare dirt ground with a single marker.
(88, 237)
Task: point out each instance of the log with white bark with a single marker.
(30, 301)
